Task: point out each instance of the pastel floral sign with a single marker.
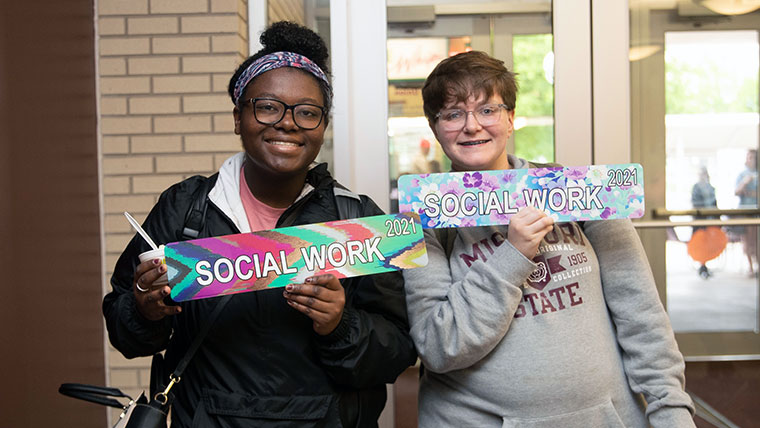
(481, 198)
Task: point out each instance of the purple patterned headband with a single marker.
(277, 60)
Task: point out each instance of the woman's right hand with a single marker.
(150, 302)
(527, 228)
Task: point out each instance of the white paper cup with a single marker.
(156, 254)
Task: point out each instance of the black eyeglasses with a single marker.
(269, 111)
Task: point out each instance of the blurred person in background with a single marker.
(703, 196)
(746, 190)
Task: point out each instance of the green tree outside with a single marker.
(535, 97)
(707, 85)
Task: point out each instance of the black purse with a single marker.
(141, 413)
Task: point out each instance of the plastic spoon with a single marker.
(136, 226)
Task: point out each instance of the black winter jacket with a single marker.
(262, 365)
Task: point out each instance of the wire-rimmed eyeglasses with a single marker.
(454, 119)
(269, 111)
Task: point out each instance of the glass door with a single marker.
(694, 92)
(421, 34)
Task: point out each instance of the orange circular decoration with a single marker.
(707, 244)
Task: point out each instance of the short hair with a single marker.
(464, 75)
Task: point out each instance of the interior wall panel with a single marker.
(52, 328)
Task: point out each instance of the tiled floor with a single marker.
(727, 301)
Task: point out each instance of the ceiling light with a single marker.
(640, 52)
(732, 7)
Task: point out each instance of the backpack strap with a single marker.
(195, 218)
(446, 237)
(544, 165)
(349, 204)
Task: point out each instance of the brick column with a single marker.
(165, 114)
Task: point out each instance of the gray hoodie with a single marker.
(576, 337)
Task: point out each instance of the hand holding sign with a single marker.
(321, 298)
(150, 303)
(527, 228)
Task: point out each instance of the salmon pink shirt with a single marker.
(260, 215)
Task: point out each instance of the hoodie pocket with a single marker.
(225, 409)
(602, 415)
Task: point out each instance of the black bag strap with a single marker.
(93, 394)
(175, 377)
(195, 218)
(201, 335)
(349, 204)
(100, 394)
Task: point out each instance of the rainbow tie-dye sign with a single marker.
(211, 267)
(482, 198)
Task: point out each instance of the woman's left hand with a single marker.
(321, 298)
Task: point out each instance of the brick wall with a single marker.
(286, 10)
(165, 114)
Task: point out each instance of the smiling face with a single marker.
(282, 149)
(476, 147)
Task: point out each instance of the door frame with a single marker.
(364, 25)
(648, 148)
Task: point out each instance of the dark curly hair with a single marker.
(466, 74)
(290, 37)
